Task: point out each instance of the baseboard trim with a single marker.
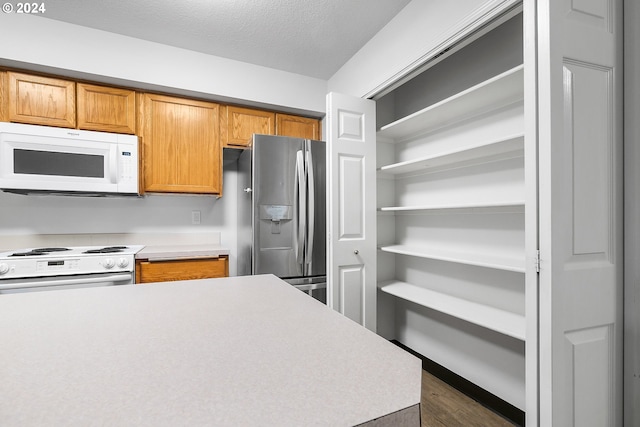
(482, 396)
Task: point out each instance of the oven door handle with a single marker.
(63, 282)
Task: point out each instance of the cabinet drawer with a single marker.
(165, 271)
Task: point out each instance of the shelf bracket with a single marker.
(537, 261)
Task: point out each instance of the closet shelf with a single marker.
(480, 259)
(498, 320)
(501, 90)
(510, 146)
(462, 205)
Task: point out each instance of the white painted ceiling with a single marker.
(309, 37)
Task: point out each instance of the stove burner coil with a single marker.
(39, 251)
(107, 250)
(30, 253)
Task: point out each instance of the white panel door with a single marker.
(351, 246)
(580, 184)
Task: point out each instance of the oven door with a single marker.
(39, 162)
(36, 284)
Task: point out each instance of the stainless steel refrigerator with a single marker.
(282, 211)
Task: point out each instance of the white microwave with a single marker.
(43, 159)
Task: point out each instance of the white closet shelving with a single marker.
(458, 184)
(496, 92)
(510, 146)
(505, 322)
(476, 258)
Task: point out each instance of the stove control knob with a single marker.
(108, 263)
(123, 262)
(4, 268)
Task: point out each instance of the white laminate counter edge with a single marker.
(177, 252)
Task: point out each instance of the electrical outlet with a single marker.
(195, 217)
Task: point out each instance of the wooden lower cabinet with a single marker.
(167, 271)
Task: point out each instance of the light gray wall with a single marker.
(43, 44)
(43, 214)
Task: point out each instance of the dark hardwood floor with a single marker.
(444, 406)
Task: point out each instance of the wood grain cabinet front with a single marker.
(181, 145)
(297, 127)
(175, 270)
(106, 109)
(4, 99)
(41, 100)
(238, 125)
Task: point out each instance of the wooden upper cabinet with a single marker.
(239, 124)
(296, 126)
(41, 100)
(106, 109)
(181, 145)
(4, 99)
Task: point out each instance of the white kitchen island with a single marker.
(236, 351)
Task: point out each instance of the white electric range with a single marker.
(42, 269)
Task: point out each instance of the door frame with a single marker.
(631, 371)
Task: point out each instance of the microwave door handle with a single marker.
(312, 207)
(113, 164)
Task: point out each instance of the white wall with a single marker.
(417, 33)
(43, 44)
(152, 214)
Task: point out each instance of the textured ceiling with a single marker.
(309, 37)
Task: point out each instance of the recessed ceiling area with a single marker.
(309, 37)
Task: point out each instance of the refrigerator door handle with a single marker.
(300, 213)
(312, 207)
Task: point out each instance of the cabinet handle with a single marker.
(356, 252)
(247, 190)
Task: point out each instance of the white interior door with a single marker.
(580, 184)
(351, 228)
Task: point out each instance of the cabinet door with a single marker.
(298, 127)
(41, 100)
(181, 146)
(239, 124)
(106, 109)
(165, 271)
(4, 97)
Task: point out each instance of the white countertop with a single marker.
(235, 351)
(172, 252)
